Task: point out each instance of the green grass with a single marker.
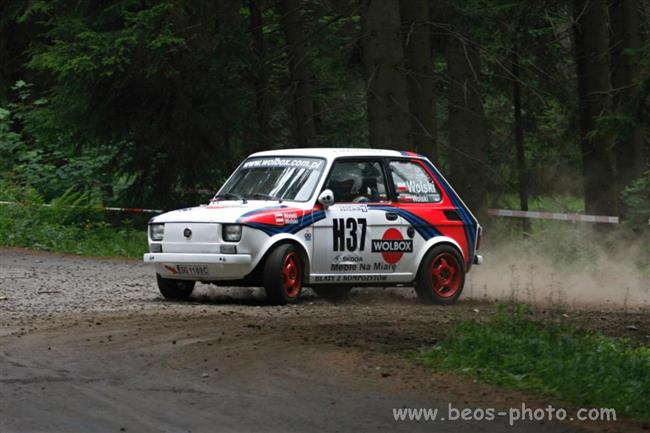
(554, 360)
(76, 231)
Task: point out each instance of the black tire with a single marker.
(333, 293)
(178, 290)
(441, 277)
(283, 275)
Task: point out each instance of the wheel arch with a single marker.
(302, 252)
(436, 242)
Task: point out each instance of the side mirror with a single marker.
(326, 198)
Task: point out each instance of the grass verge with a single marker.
(50, 229)
(556, 360)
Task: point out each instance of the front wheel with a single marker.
(283, 271)
(442, 276)
(178, 290)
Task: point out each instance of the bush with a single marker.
(72, 223)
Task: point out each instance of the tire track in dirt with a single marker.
(99, 351)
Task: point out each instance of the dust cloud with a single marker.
(573, 267)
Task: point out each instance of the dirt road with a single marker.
(88, 345)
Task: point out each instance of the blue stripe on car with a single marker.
(469, 222)
(304, 222)
(424, 228)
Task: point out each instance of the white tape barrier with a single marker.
(114, 209)
(493, 212)
(573, 217)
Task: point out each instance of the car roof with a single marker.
(334, 152)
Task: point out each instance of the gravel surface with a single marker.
(44, 284)
(89, 345)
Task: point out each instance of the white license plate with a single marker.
(198, 270)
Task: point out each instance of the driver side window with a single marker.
(357, 182)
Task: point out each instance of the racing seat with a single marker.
(342, 190)
(369, 189)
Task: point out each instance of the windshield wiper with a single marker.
(227, 195)
(265, 196)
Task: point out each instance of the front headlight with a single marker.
(232, 232)
(156, 231)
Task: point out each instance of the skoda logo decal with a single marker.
(187, 232)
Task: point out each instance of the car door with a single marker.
(343, 240)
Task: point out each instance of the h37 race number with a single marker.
(349, 234)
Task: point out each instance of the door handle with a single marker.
(391, 216)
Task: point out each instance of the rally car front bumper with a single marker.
(204, 267)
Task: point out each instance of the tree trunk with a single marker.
(467, 131)
(4, 81)
(629, 145)
(592, 63)
(420, 76)
(383, 61)
(299, 74)
(260, 78)
(522, 170)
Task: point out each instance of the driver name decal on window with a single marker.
(413, 183)
(421, 187)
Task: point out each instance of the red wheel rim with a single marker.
(291, 275)
(445, 275)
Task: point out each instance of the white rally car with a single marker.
(328, 219)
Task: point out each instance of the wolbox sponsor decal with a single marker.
(392, 246)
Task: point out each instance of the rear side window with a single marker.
(412, 183)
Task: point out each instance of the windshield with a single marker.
(274, 178)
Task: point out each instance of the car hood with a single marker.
(221, 212)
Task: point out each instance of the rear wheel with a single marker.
(333, 293)
(442, 276)
(283, 271)
(179, 290)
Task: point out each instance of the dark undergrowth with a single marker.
(72, 223)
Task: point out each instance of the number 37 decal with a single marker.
(349, 234)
